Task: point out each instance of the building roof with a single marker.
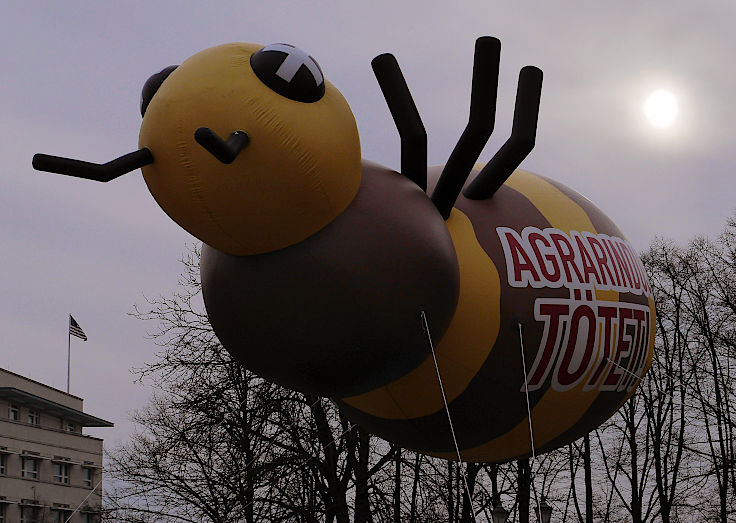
(30, 380)
(77, 416)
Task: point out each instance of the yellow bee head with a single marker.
(247, 147)
(301, 165)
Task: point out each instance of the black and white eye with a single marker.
(290, 72)
(152, 85)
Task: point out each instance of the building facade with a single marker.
(49, 470)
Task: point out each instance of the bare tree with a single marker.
(217, 443)
(669, 384)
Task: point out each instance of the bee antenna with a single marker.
(479, 127)
(93, 171)
(406, 117)
(521, 142)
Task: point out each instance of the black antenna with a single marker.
(93, 171)
(224, 150)
(479, 127)
(406, 117)
(521, 142)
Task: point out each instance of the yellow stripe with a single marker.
(559, 210)
(464, 347)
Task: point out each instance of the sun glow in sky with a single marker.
(661, 108)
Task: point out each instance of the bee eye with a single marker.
(290, 72)
(152, 85)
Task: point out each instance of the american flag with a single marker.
(75, 329)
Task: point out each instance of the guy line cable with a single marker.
(449, 418)
(529, 415)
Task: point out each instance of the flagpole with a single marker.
(68, 353)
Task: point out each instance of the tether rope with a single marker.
(627, 371)
(85, 499)
(529, 416)
(449, 418)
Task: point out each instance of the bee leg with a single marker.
(406, 117)
(479, 127)
(521, 142)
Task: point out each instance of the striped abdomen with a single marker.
(540, 255)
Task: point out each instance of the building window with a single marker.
(29, 514)
(87, 477)
(33, 417)
(61, 515)
(60, 512)
(2, 512)
(69, 426)
(61, 473)
(29, 468)
(2, 468)
(14, 413)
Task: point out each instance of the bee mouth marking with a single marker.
(224, 150)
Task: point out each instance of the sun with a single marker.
(661, 108)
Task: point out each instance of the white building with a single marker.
(48, 468)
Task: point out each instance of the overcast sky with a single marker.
(72, 75)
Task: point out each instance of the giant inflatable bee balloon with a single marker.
(497, 301)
